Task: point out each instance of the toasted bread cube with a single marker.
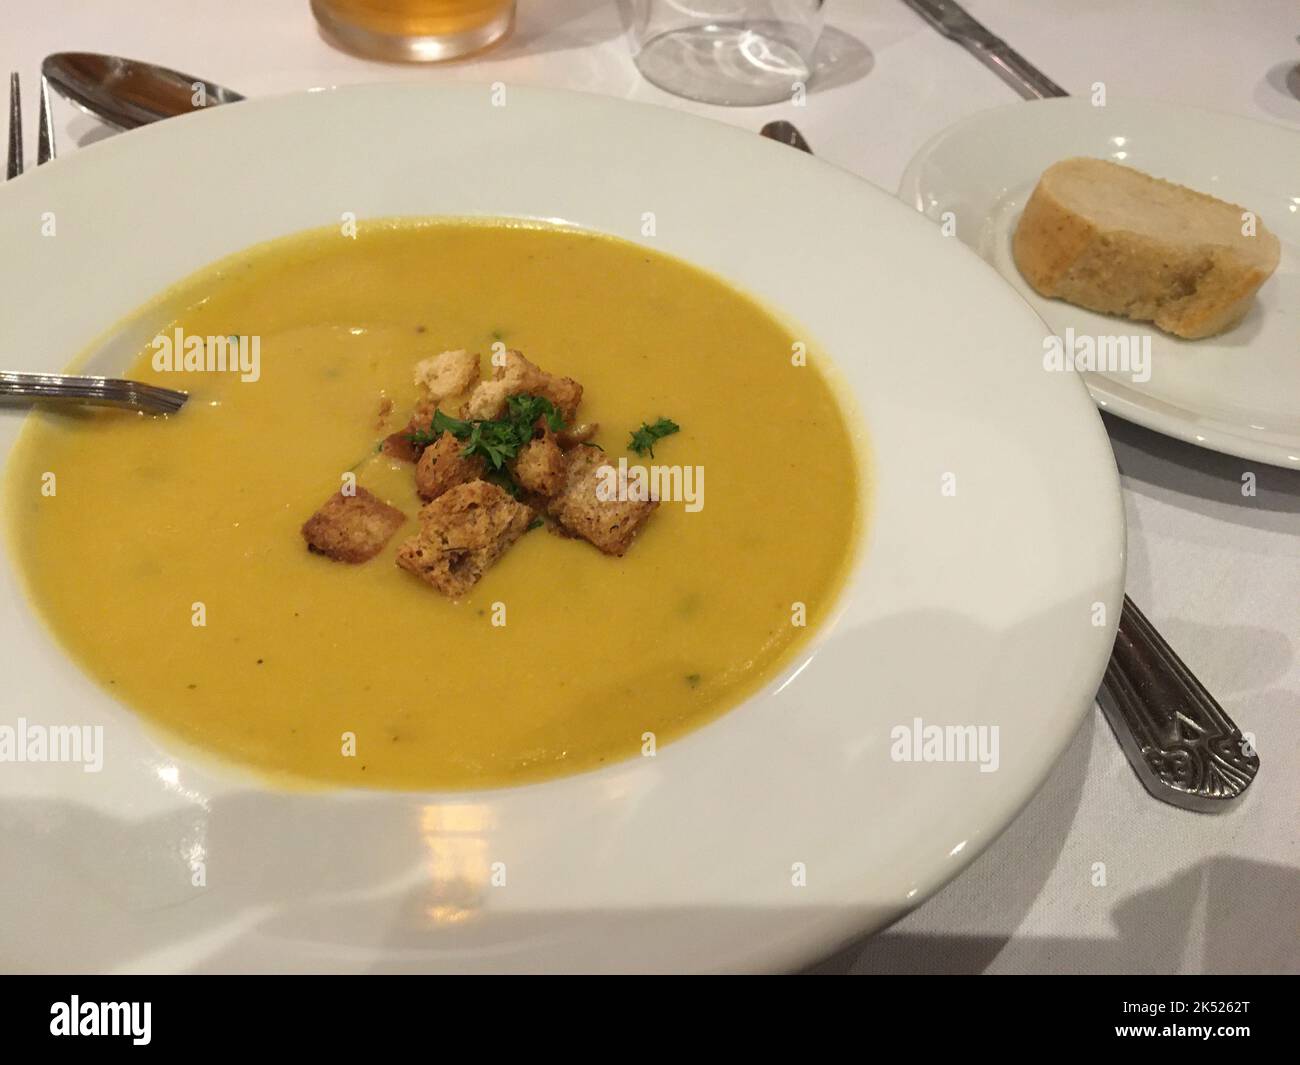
(422, 416)
(610, 524)
(487, 400)
(442, 466)
(400, 446)
(351, 528)
(541, 466)
(462, 533)
(450, 373)
(517, 377)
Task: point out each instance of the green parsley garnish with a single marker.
(496, 440)
(644, 439)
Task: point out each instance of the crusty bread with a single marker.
(1116, 240)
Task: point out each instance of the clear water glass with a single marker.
(738, 52)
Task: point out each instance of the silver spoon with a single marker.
(97, 391)
(127, 93)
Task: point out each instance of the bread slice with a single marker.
(1116, 240)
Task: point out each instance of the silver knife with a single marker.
(953, 21)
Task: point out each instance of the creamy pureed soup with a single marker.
(160, 523)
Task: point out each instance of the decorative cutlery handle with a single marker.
(1186, 750)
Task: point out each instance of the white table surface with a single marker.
(1217, 572)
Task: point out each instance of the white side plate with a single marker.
(1238, 393)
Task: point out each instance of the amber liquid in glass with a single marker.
(415, 30)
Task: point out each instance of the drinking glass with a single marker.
(418, 31)
(725, 51)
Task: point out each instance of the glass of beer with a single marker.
(414, 31)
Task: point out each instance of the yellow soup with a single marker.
(168, 557)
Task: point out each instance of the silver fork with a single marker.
(45, 128)
(70, 388)
(15, 166)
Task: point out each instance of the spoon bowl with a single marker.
(126, 93)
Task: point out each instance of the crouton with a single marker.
(462, 533)
(516, 377)
(487, 400)
(540, 465)
(400, 446)
(442, 466)
(610, 524)
(421, 422)
(451, 373)
(351, 528)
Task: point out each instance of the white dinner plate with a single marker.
(759, 841)
(1238, 393)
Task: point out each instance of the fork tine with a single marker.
(15, 129)
(45, 135)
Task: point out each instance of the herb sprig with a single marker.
(644, 439)
(496, 440)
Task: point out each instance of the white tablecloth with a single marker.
(1217, 572)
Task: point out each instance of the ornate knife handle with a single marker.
(1185, 749)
